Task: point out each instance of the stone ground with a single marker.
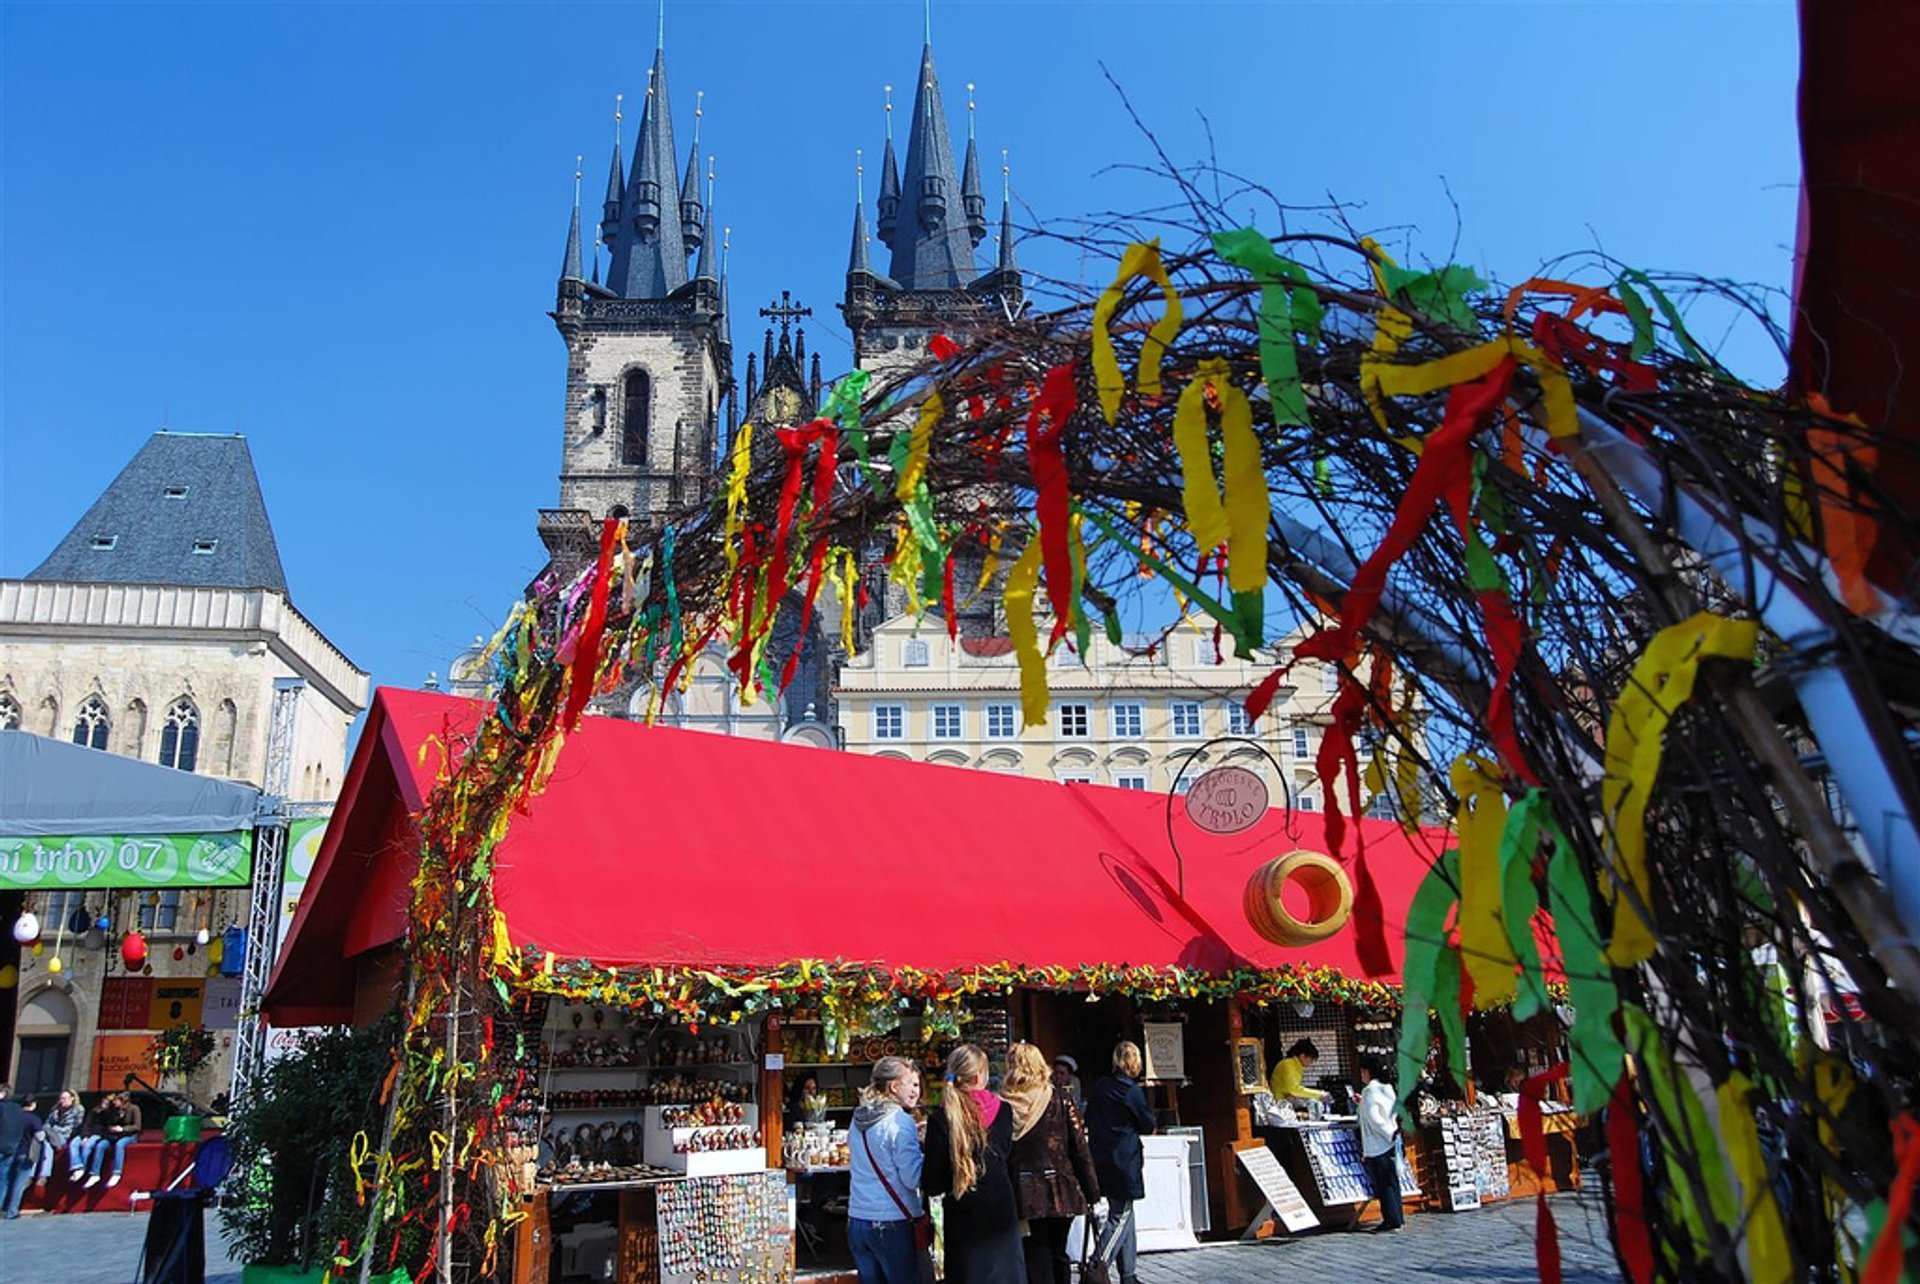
(1490, 1246)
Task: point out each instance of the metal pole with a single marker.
(269, 873)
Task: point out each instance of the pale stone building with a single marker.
(156, 629)
(1126, 717)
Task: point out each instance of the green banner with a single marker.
(147, 860)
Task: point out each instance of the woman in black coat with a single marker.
(968, 1142)
(1053, 1177)
(1117, 1117)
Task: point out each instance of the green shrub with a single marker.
(292, 1201)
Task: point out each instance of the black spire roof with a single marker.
(650, 250)
(186, 510)
(931, 247)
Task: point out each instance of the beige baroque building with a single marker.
(156, 629)
(1123, 718)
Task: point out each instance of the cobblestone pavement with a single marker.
(1491, 1246)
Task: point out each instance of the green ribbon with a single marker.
(1519, 900)
(1287, 306)
(1679, 1105)
(1643, 321)
(843, 403)
(1228, 620)
(1422, 985)
(676, 637)
(1597, 1054)
(1440, 294)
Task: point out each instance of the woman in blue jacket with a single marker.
(885, 1157)
(1117, 1117)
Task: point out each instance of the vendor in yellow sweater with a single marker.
(1289, 1078)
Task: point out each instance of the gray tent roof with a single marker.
(185, 510)
(49, 788)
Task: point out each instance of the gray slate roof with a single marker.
(155, 529)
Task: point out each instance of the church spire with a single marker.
(931, 250)
(703, 268)
(973, 201)
(889, 205)
(571, 260)
(857, 260)
(692, 220)
(616, 185)
(650, 250)
(1007, 261)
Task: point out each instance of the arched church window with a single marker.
(91, 726)
(9, 713)
(180, 736)
(633, 419)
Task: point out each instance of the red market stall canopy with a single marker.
(663, 847)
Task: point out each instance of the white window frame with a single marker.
(1238, 723)
(881, 719)
(1302, 747)
(1136, 714)
(1010, 712)
(1199, 719)
(916, 654)
(1136, 780)
(1078, 777)
(959, 712)
(1085, 714)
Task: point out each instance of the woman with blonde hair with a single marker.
(883, 1200)
(968, 1144)
(1117, 1117)
(1053, 1177)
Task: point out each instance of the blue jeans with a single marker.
(77, 1151)
(15, 1172)
(884, 1252)
(1383, 1173)
(97, 1160)
(1126, 1258)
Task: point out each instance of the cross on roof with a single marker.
(786, 311)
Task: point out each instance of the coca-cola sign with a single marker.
(1227, 800)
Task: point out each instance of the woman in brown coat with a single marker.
(1053, 1180)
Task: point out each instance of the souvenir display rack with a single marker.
(1333, 1153)
(726, 1228)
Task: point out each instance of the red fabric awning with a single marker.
(660, 846)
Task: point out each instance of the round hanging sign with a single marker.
(1227, 800)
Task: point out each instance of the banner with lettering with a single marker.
(144, 861)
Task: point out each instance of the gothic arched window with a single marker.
(91, 726)
(633, 418)
(180, 736)
(9, 713)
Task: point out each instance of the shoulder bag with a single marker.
(923, 1224)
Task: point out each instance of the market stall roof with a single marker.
(659, 846)
(50, 788)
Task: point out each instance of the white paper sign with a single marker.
(1284, 1199)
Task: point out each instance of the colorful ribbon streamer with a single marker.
(586, 658)
(1288, 305)
(1022, 580)
(1236, 510)
(1479, 821)
(1046, 421)
(1662, 680)
(1769, 1256)
(1142, 258)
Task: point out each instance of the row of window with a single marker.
(179, 733)
(915, 653)
(57, 908)
(1186, 720)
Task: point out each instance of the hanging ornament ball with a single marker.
(147, 970)
(216, 951)
(202, 936)
(9, 976)
(133, 950)
(178, 954)
(55, 967)
(103, 924)
(27, 927)
(78, 921)
(39, 948)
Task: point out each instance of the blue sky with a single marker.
(336, 228)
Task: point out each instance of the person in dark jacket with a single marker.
(62, 1127)
(18, 1128)
(1053, 1177)
(969, 1142)
(1117, 1117)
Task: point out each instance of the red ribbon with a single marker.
(1884, 1263)
(1629, 1193)
(1045, 422)
(586, 656)
(1533, 1141)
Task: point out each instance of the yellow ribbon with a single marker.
(357, 1155)
(919, 443)
(1479, 821)
(846, 579)
(1239, 518)
(737, 491)
(1662, 681)
(1141, 259)
(1769, 1259)
(505, 957)
(1391, 328)
(1556, 393)
(1022, 580)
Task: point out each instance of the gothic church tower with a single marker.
(648, 353)
(932, 218)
